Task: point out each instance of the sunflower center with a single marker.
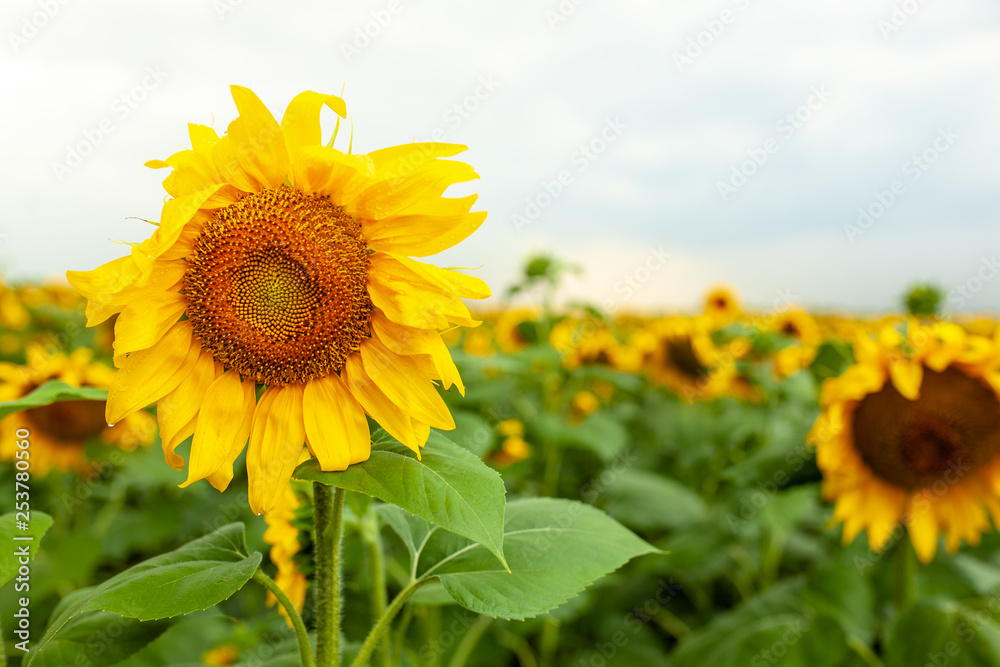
(68, 422)
(277, 286)
(951, 429)
(681, 355)
(789, 329)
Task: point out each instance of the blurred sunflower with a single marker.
(59, 431)
(284, 263)
(687, 361)
(283, 537)
(801, 327)
(722, 306)
(514, 329)
(513, 448)
(911, 434)
(583, 404)
(14, 318)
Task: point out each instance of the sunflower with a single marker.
(513, 448)
(686, 360)
(911, 434)
(277, 300)
(60, 430)
(514, 329)
(802, 328)
(283, 537)
(722, 306)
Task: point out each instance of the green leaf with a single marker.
(196, 576)
(555, 549)
(644, 500)
(414, 531)
(52, 392)
(100, 638)
(935, 631)
(38, 523)
(449, 487)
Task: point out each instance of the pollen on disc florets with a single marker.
(952, 428)
(276, 286)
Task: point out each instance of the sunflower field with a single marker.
(268, 435)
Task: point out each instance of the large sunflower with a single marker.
(60, 431)
(276, 300)
(911, 434)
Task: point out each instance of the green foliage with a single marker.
(38, 523)
(49, 393)
(448, 486)
(555, 549)
(923, 300)
(194, 577)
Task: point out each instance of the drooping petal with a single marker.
(151, 374)
(400, 380)
(407, 297)
(412, 341)
(223, 428)
(276, 439)
(177, 411)
(336, 427)
(395, 421)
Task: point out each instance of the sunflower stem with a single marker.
(305, 650)
(375, 635)
(469, 640)
(905, 572)
(329, 513)
(376, 564)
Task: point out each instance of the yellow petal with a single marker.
(907, 374)
(400, 380)
(176, 412)
(409, 340)
(276, 439)
(395, 421)
(300, 124)
(260, 142)
(394, 195)
(421, 235)
(884, 509)
(203, 138)
(151, 374)
(144, 321)
(408, 297)
(336, 427)
(399, 161)
(923, 527)
(454, 282)
(176, 214)
(322, 170)
(223, 427)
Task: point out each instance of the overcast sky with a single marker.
(664, 146)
